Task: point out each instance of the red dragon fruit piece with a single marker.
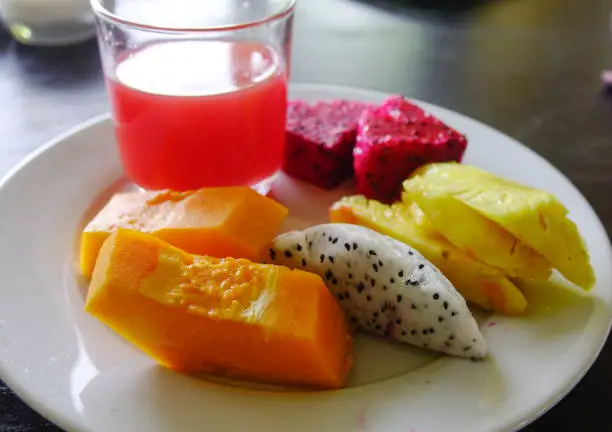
(320, 141)
(399, 108)
(394, 140)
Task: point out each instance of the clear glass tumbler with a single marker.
(198, 89)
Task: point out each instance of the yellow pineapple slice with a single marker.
(477, 282)
(474, 234)
(535, 217)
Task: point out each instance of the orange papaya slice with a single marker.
(223, 316)
(231, 221)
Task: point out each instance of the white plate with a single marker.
(79, 374)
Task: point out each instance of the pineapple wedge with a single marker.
(474, 234)
(534, 217)
(477, 282)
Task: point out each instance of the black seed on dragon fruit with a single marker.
(320, 141)
(395, 139)
(360, 287)
(428, 313)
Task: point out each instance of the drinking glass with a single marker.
(198, 89)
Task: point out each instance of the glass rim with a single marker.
(103, 12)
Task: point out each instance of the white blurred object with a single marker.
(48, 22)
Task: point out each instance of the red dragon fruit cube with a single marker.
(395, 139)
(320, 141)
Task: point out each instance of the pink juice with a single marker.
(191, 114)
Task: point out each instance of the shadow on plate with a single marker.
(558, 308)
(553, 297)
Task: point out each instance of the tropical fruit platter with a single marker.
(217, 281)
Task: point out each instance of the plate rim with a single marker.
(63, 421)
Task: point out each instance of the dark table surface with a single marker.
(530, 68)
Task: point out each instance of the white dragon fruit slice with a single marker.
(384, 286)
